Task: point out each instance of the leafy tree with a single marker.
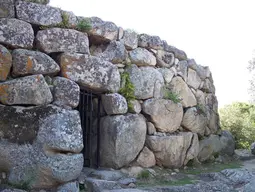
(239, 119)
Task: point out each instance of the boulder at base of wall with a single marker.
(90, 72)
(148, 82)
(122, 138)
(16, 33)
(5, 63)
(29, 90)
(146, 158)
(170, 151)
(43, 153)
(62, 40)
(165, 114)
(26, 62)
(228, 143)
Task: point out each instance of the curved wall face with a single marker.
(158, 104)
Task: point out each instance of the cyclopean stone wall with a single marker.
(169, 115)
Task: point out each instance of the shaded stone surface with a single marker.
(38, 14)
(65, 92)
(147, 41)
(5, 63)
(16, 33)
(146, 158)
(62, 40)
(90, 72)
(30, 90)
(26, 62)
(164, 59)
(122, 138)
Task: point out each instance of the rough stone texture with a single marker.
(44, 2)
(146, 158)
(195, 121)
(142, 57)
(13, 190)
(26, 62)
(253, 148)
(203, 72)
(7, 9)
(228, 143)
(244, 154)
(193, 149)
(209, 147)
(96, 185)
(179, 87)
(130, 39)
(109, 175)
(5, 63)
(165, 114)
(207, 86)
(38, 14)
(201, 97)
(44, 152)
(115, 52)
(72, 19)
(147, 41)
(135, 106)
(16, 33)
(102, 31)
(62, 40)
(69, 187)
(122, 138)
(30, 90)
(214, 123)
(182, 70)
(170, 151)
(164, 59)
(90, 72)
(150, 128)
(114, 104)
(193, 79)
(179, 54)
(168, 74)
(148, 82)
(65, 92)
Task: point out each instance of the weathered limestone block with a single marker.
(122, 138)
(212, 102)
(114, 104)
(102, 31)
(148, 82)
(30, 90)
(165, 114)
(142, 57)
(193, 80)
(182, 69)
(207, 86)
(179, 87)
(16, 33)
(146, 158)
(213, 123)
(26, 62)
(203, 72)
(209, 147)
(7, 9)
(130, 39)
(193, 149)
(179, 54)
(167, 148)
(165, 59)
(195, 120)
(65, 92)
(115, 52)
(62, 40)
(43, 153)
(134, 106)
(200, 96)
(147, 41)
(90, 72)
(38, 14)
(5, 63)
(168, 74)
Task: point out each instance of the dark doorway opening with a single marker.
(89, 108)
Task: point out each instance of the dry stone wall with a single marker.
(159, 106)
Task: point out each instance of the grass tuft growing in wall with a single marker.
(171, 96)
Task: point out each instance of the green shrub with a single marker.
(145, 174)
(171, 96)
(239, 119)
(84, 25)
(128, 88)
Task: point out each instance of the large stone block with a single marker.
(5, 63)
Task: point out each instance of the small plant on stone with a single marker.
(128, 88)
(84, 25)
(145, 174)
(171, 96)
(65, 21)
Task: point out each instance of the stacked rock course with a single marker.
(171, 119)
